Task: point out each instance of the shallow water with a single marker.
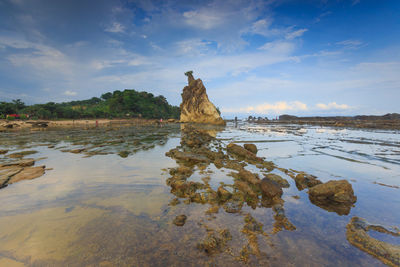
(109, 204)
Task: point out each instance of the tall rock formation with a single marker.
(196, 107)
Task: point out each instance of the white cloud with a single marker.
(203, 19)
(115, 27)
(70, 93)
(332, 105)
(351, 44)
(261, 27)
(268, 108)
(295, 34)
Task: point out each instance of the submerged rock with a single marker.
(195, 106)
(223, 194)
(337, 196)
(3, 151)
(357, 235)
(21, 154)
(180, 220)
(215, 242)
(233, 206)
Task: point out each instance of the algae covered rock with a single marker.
(357, 235)
(241, 152)
(195, 106)
(304, 180)
(278, 179)
(337, 191)
(336, 196)
(251, 147)
(270, 188)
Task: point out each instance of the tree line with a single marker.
(118, 104)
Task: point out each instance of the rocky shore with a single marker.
(199, 149)
(82, 123)
(389, 121)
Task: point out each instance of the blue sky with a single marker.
(264, 58)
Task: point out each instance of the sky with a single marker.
(260, 58)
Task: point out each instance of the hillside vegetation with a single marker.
(119, 104)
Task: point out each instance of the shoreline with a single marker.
(16, 125)
(80, 123)
(357, 124)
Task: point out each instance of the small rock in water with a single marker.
(270, 188)
(180, 220)
(123, 154)
(251, 147)
(77, 150)
(233, 206)
(338, 191)
(3, 151)
(304, 180)
(278, 179)
(336, 196)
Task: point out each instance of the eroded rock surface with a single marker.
(357, 235)
(195, 106)
(15, 171)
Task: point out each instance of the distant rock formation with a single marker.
(196, 107)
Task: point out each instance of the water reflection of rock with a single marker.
(122, 141)
(357, 235)
(198, 149)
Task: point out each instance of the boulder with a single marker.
(278, 179)
(335, 196)
(195, 106)
(251, 147)
(270, 188)
(337, 191)
(304, 180)
(243, 153)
